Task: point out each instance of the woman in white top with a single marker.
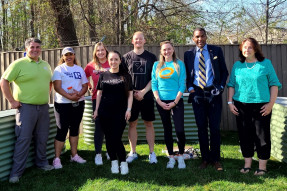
(70, 83)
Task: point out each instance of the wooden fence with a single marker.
(276, 53)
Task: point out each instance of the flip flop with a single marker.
(245, 170)
(262, 172)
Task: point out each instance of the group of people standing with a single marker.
(124, 87)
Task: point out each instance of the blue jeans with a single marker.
(207, 110)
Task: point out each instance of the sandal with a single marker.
(260, 172)
(245, 170)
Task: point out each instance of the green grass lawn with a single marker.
(145, 176)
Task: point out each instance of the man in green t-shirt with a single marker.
(31, 78)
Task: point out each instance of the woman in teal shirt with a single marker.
(168, 86)
(252, 91)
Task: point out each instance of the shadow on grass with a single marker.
(73, 176)
(76, 176)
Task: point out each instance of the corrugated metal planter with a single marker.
(279, 129)
(7, 140)
(189, 121)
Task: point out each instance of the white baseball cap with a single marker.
(67, 50)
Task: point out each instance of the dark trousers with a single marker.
(178, 118)
(253, 130)
(70, 119)
(113, 129)
(207, 110)
(98, 134)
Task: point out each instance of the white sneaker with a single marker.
(181, 163)
(132, 157)
(124, 168)
(14, 180)
(170, 163)
(78, 159)
(115, 167)
(98, 159)
(57, 163)
(107, 155)
(152, 158)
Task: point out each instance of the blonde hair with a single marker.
(162, 59)
(98, 65)
(138, 32)
(61, 61)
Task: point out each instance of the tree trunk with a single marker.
(32, 21)
(25, 21)
(66, 31)
(121, 23)
(267, 21)
(92, 27)
(133, 17)
(118, 21)
(113, 8)
(4, 25)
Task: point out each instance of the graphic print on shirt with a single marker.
(77, 75)
(139, 67)
(68, 74)
(166, 73)
(113, 81)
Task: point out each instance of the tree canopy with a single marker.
(60, 23)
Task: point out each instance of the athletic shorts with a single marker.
(146, 107)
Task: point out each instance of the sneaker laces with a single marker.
(77, 158)
(171, 161)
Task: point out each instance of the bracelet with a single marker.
(230, 102)
(129, 109)
(174, 103)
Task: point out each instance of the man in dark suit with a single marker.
(206, 77)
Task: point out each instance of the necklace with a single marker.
(250, 67)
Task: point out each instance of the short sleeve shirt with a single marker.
(31, 80)
(70, 76)
(140, 68)
(252, 84)
(95, 74)
(114, 96)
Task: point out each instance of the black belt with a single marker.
(209, 88)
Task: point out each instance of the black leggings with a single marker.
(178, 119)
(70, 118)
(99, 134)
(113, 129)
(253, 130)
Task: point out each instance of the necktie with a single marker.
(202, 73)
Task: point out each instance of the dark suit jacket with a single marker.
(219, 69)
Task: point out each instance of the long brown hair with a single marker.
(257, 49)
(162, 59)
(98, 65)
